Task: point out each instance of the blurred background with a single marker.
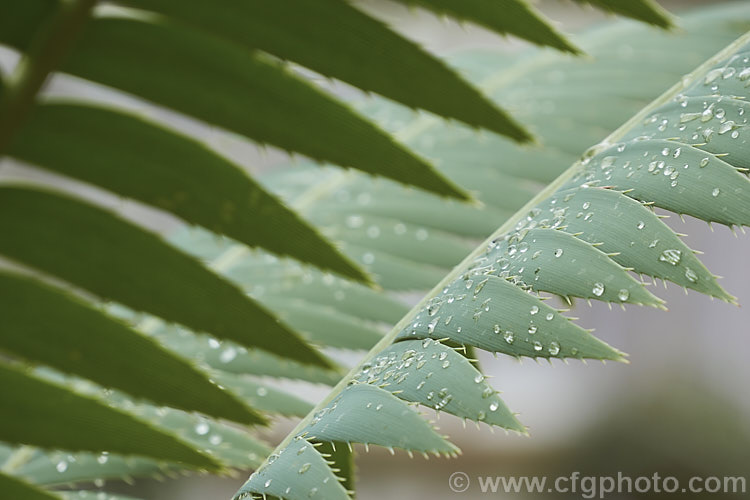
(681, 407)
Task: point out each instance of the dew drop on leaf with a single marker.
(671, 256)
(554, 348)
(690, 275)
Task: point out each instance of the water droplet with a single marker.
(534, 310)
(532, 329)
(103, 458)
(688, 117)
(478, 379)
(558, 252)
(550, 316)
(268, 483)
(509, 337)
(202, 429)
(641, 225)
(598, 289)
(304, 468)
(354, 221)
(554, 348)
(494, 406)
(431, 325)
(446, 363)
(704, 162)
(61, 466)
(538, 346)
(726, 127)
(623, 294)
(496, 328)
(671, 256)
(715, 192)
(690, 275)
(713, 75)
(228, 355)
